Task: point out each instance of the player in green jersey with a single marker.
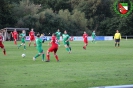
(39, 48)
(22, 36)
(93, 35)
(58, 34)
(66, 41)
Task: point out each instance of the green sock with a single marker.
(19, 45)
(37, 55)
(67, 49)
(43, 55)
(24, 47)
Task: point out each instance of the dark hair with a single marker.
(38, 35)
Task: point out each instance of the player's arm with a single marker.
(114, 36)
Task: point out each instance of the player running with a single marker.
(53, 48)
(66, 41)
(32, 37)
(85, 37)
(58, 34)
(93, 35)
(15, 36)
(39, 48)
(117, 38)
(22, 36)
(1, 43)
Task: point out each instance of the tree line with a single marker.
(75, 16)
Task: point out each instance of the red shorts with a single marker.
(85, 41)
(1, 46)
(32, 38)
(53, 48)
(15, 38)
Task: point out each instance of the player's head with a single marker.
(53, 34)
(38, 35)
(23, 31)
(14, 29)
(58, 30)
(65, 32)
(32, 29)
(117, 31)
(93, 30)
(84, 32)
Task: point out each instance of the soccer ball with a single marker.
(23, 55)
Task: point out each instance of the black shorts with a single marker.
(117, 40)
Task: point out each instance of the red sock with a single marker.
(34, 44)
(48, 57)
(56, 57)
(29, 44)
(4, 51)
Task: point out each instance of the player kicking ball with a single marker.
(1, 43)
(39, 48)
(53, 48)
(66, 41)
(15, 36)
(22, 36)
(85, 37)
(32, 37)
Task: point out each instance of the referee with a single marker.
(117, 38)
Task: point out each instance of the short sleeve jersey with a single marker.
(58, 34)
(85, 36)
(32, 34)
(14, 34)
(65, 37)
(54, 41)
(39, 42)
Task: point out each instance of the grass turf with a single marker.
(100, 65)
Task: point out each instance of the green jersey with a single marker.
(58, 34)
(39, 42)
(93, 34)
(65, 37)
(22, 35)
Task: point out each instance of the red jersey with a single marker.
(54, 41)
(85, 36)
(15, 34)
(1, 39)
(32, 34)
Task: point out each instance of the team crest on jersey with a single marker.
(123, 7)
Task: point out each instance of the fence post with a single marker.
(126, 37)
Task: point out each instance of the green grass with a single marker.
(100, 65)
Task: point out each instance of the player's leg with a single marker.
(68, 44)
(118, 42)
(48, 53)
(37, 55)
(115, 42)
(20, 45)
(29, 42)
(4, 50)
(24, 45)
(43, 55)
(56, 56)
(15, 40)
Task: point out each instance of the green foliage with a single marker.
(75, 16)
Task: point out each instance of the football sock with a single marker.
(56, 57)
(118, 45)
(4, 51)
(68, 49)
(34, 44)
(48, 57)
(19, 45)
(24, 47)
(37, 55)
(115, 44)
(43, 56)
(29, 44)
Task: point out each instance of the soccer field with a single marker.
(100, 65)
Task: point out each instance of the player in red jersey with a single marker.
(85, 37)
(1, 43)
(32, 37)
(53, 48)
(15, 36)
